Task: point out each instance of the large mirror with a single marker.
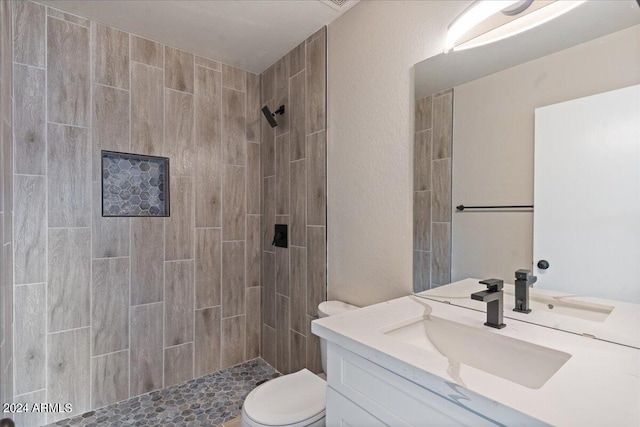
(527, 156)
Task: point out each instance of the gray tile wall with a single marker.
(35, 150)
(432, 153)
(294, 193)
(109, 308)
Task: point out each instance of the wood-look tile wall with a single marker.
(6, 198)
(294, 193)
(110, 308)
(432, 153)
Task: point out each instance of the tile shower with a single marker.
(112, 308)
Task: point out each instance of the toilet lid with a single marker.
(289, 399)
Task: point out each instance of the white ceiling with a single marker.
(250, 34)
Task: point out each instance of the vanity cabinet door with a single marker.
(343, 412)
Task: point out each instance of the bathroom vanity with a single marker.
(412, 361)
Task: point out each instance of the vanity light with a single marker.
(487, 21)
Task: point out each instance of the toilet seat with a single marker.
(293, 400)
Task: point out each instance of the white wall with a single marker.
(493, 145)
(371, 53)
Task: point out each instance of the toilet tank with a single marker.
(326, 309)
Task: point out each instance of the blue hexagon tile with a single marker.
(134, 185)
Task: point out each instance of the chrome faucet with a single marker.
(524, 279)
(493, 297)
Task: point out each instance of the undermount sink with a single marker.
(524, 363)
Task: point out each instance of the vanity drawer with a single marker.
(394, 400)
(343, 412)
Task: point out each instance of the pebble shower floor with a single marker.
(206, 401)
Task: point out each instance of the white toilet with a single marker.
(294, 400)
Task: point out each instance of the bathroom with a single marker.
(225, 213)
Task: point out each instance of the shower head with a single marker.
(271, 117)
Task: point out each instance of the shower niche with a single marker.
(134, 185)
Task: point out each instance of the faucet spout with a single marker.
(493, 296)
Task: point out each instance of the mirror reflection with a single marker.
(527, 158)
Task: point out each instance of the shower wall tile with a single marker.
(110, 126)
(147, 52)
(317, 178)
(316, 83)
(207, 340)
(69, 176)
(208, 63)
(30, 229)
(298, 351)
(314, 360)
(233, 125)
(254, 323)
(208, 267)
(423, 114)
(68, 61)
(68, 17)
(253, 178)
(29, 351)
(110, 305)
(29, 27)
(441, 191)
(69, 278)
(179, 117)
(233, 341)
(110, 235)
(208, 147)
(233, 203)
(178, 364)
(269, 213)
(234, 78)
(110, 56)
(422, 161)
(147, 110)
(282, 93)
(29, 122)
(442, 126)
(298, 289)
(178, 67)
(298, 182)
(146, 348)
(233, 286)
(316, 268)
(147, 260)
(109, 379)
(282, 269)
(297, 116)
(282, 334)
(269, 289)
(180, 225)
(32, 418)
(253, 108)
(253, 251)
(441, 261)
(296, 59)
(269, 345)
(179, 303)
(422, 220)
(268, 144)
(68, 371)
(282, 174)
(268, 82)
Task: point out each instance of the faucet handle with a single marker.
(493, 285)
(526, 275)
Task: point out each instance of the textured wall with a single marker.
(432, 152)
(6, 203)
(108, 308)
(372, 50)
(294, 193)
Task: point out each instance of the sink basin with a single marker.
(527, 364)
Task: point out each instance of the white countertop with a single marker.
(621, 326)
(598, 386)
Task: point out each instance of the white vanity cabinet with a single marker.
(363, 394)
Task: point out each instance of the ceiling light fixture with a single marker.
(487, 21)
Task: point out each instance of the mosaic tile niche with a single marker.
(134, 185)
